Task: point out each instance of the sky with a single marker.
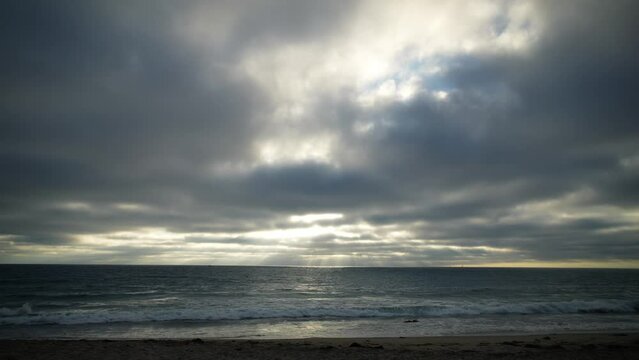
(320, 133)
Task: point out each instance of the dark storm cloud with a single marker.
(100, 108)
(619, 189)
(587, 238)
(305, 188)
(104, 105)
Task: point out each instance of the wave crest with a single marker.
(25, 315)
(25, 309)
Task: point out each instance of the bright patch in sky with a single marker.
(311, 218)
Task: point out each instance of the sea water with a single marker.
(78, 301)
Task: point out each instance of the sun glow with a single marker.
(311, 218)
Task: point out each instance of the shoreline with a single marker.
(542, 346)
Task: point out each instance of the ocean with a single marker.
(78, 301)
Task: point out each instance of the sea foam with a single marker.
(26, 316)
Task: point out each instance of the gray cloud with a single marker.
(111, 120)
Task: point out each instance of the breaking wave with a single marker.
(25, 309)
(25, 315)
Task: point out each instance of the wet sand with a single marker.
(552, 346)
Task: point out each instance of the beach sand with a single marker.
(552, 346)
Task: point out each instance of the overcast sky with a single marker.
(304, 132)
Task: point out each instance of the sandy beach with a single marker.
(552, 346)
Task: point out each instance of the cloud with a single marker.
(442, 133)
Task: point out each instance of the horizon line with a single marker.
(339, 266)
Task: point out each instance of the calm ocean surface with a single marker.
(277, 302)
